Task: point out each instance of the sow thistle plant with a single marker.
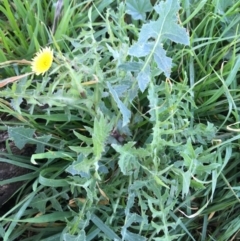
(128, 158)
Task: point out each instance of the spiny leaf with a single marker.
(83, 138)
(76, 168)
(126, 113)
(101, 130)
(154, 33)
(127, 161)
(137, 9)
(129, 156)
(144, 78)
(20, 135)
(41, 142)
(40, 202)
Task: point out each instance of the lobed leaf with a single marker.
(21, 135)
(137, 9)
(152, 36)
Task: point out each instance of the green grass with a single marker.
(113, 162)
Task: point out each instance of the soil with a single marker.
(8, 170)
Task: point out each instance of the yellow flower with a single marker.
(42, 62)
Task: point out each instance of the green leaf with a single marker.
(144, 78)
(16, 102)
(84, 150)
(101, 130)
(76, 168)
(82, 167)
(169, 27)
(20, 135)
(83, 138)
(137, 9)
(40, 202)
(126, 113)
(41, 142)
(55, 201)
(129, 156)
(160, 182)
(131, 66)
(153, 34)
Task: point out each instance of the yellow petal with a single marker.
(42, 62)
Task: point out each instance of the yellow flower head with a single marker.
(42, 62)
